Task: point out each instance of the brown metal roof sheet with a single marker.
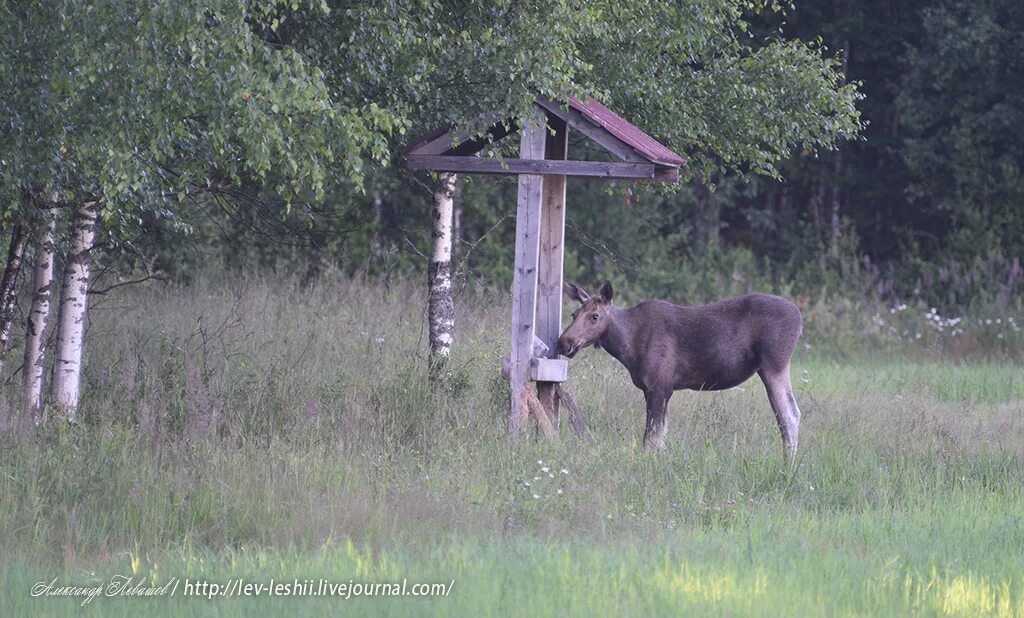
(645, 145)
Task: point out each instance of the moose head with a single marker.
(589, 321)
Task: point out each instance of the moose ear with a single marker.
(606, 291)
(575, 292)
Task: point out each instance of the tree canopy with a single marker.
(138, 103)
(691, 73)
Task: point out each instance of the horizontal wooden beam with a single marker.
(478, 165)
(549, 370)
(667, 174)
(541, 369)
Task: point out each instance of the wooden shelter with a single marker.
(542, 168)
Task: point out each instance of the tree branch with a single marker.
(132, 282)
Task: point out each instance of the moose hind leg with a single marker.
(787, 413)
(657, 418)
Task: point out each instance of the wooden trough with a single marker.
(542, 168)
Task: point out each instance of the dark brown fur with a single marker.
(668, 347)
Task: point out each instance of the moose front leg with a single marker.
(657, 418)
(787, 413)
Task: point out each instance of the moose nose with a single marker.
(564, 346)
(561, 347)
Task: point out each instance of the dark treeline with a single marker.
(936, 177)
(926, 202)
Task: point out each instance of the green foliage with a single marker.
(142, 105)
(136, 104)
(691, 73)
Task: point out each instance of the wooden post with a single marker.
(524, 274)
(552, 244)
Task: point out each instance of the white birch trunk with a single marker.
(376, 246)
(74, 293)
(38, 317)
(441, 307)
(8, 288)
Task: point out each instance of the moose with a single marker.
(667, 347)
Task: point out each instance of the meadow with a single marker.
(256, 428)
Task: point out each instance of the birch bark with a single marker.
(441, 307)
(38, 317)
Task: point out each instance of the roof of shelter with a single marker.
(639, 155)
(645, 145)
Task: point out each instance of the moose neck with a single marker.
(618, 338)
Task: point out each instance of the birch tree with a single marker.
(129, 110)
(38, 317)
(73, 305)
(8, 287)
(441, 307)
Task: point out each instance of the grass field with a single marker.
(256, 430)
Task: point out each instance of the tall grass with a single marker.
(258, 427)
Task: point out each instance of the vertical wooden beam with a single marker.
(524, 274)
(552, 243)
